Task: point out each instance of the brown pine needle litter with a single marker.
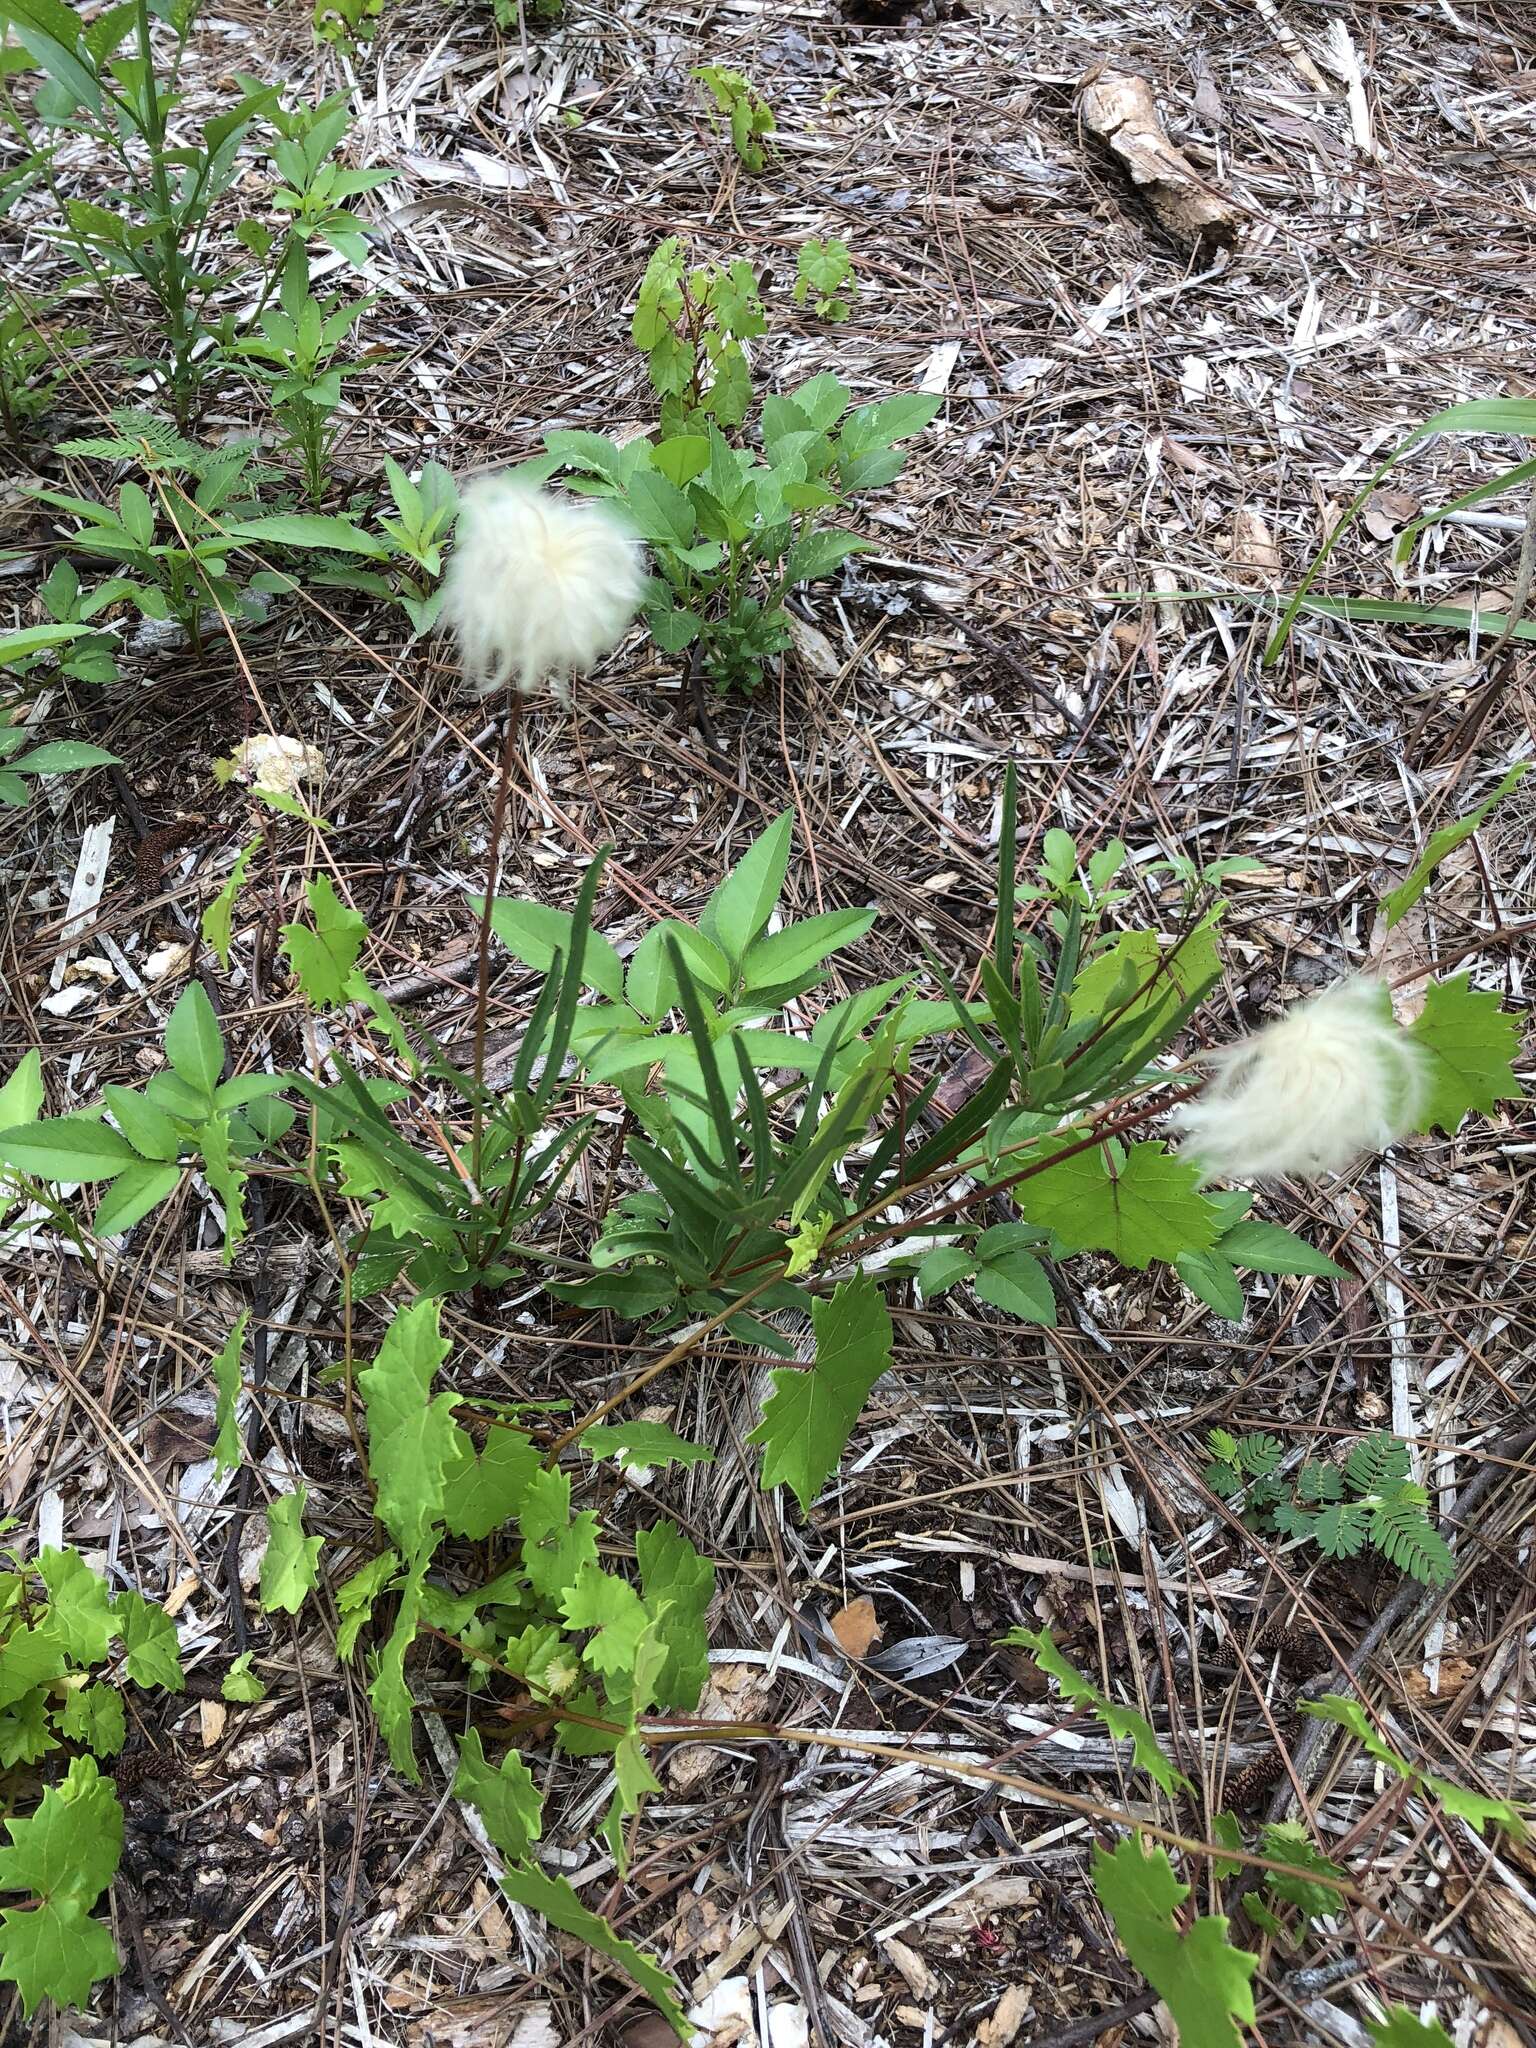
(1128, 411)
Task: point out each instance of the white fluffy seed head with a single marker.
(539, 588)
(1309, 1094)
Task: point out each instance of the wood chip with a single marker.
(1118, 108)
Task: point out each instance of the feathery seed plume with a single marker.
(539, 588)
(1310, 1093)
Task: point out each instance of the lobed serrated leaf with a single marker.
(227, 1448)
(483, 1491)
(556, 1902)
(810, 1415)
(288, 1573)
(677, 1585)
(1469, 1045)
(323, 959)
(557, 1546)
(80, 1615)
(151, 1652)
(240, 1682)
(1140, 1204)
(642, 1444)
(413, 1440)
(1203, 1980)
(1476, 1808)
(506, 1798)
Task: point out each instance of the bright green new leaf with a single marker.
(323, 959)
(1136, 978)
(942, 1268)
(1141, 1203)
(482, 1493)
(288, 1572)
(789, 954)
(678, 1585)
(1123, 1723)
(93, 1716)
(1226, 1829)
(535, 932)
(1475, 1808)
(1471, 1045)
(389, 1694)
(507, 1800)
(744, 901)
(227, 1448)
(240, 1682)
(194, 1045)
(557, 1545)
(412, 1439)
(1399, 901)
(21, 1099)
(80, 1613)
(309, 530)
(641, 1444)
(1289, 1843)
(219, 917)
(1402, 2029)
(32, 1657)
(67, 1849)
(151, 1653)
(1147, 1753)
(1266, 1248)
(615, 1613)
(55, 1950)
(1205, 1983)
(1347, 1713)
(1020, 1285)
(26, 1731)
(555, 1901)
(355, 1598)
(1041, 1645)
(147, 1127)
(651, 985)
(809, 1416)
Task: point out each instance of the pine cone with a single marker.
(1256, 1778)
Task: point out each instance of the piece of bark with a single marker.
(1118, 110)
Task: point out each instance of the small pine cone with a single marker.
(1256, 1778)
(147, 1767)
(152, 850)
(1295, 1645)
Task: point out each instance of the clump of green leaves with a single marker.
(747, 115)
(139, 1141)
(732, 534)
(170, 542)
(764, 1165)
(298, 355)
(690, 323)
(66, 1657)
(1368, 1501)
(159, 219)
(347, 21)
(595, 1650)
(34, 362)
(824, 276)
(407, 550)
(22, 758)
